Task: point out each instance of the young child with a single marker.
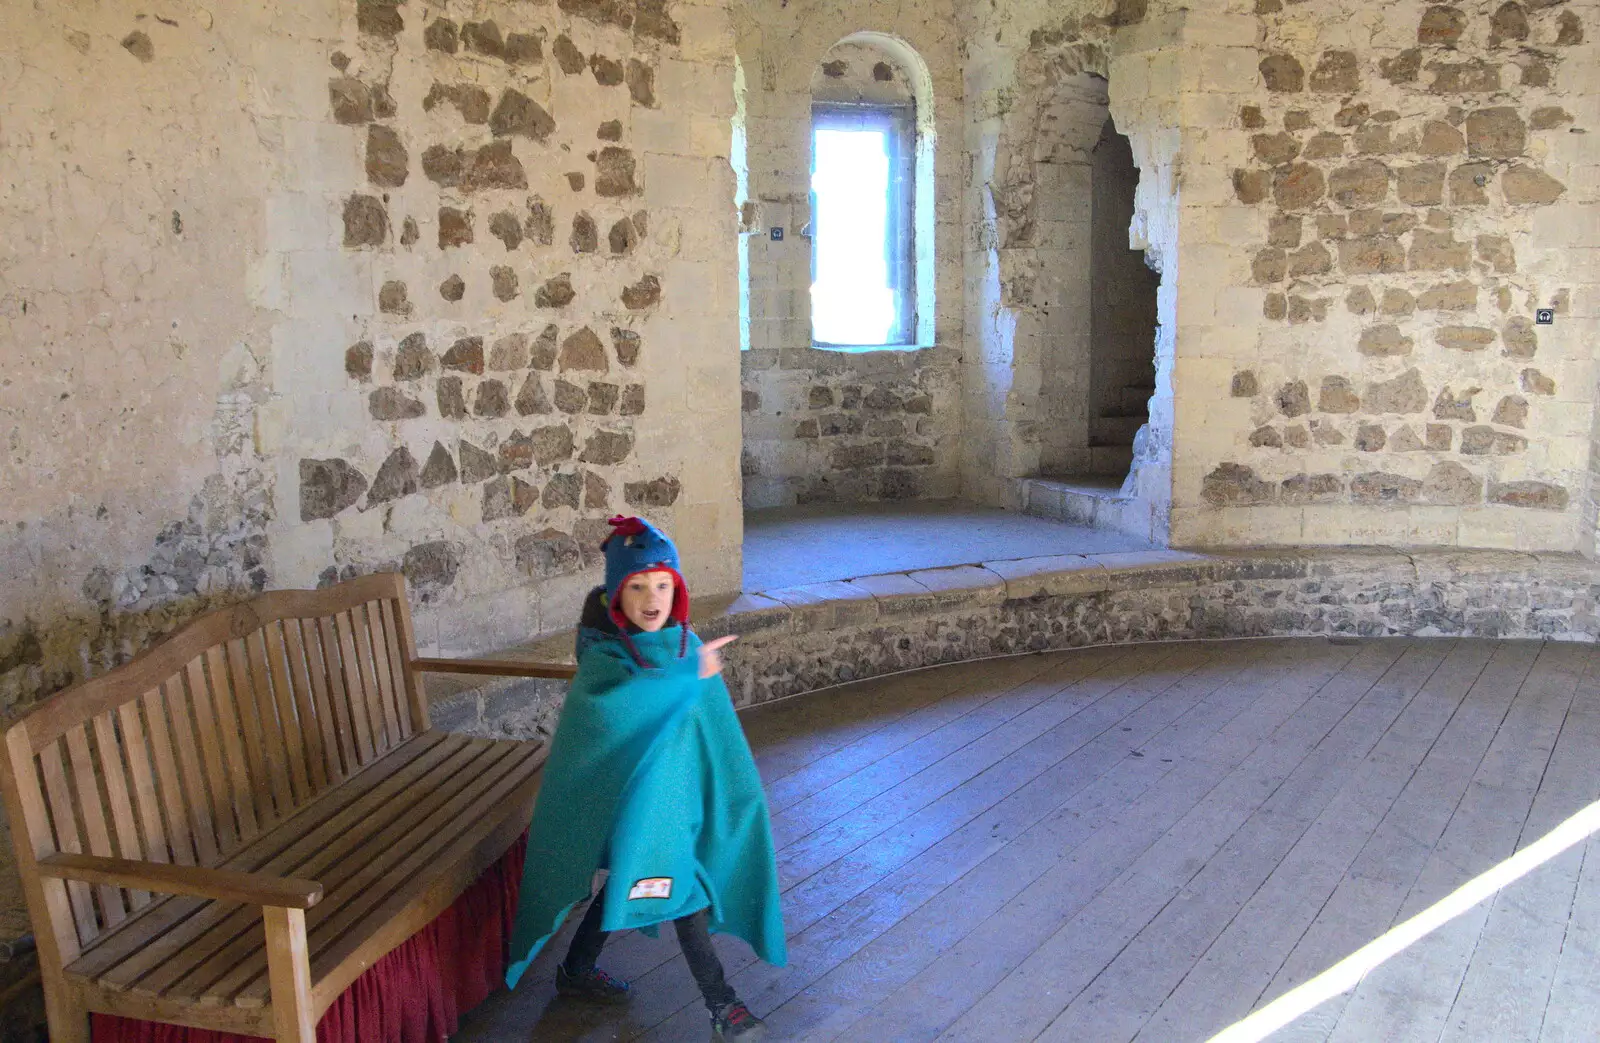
(650, 778)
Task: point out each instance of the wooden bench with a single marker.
(225, 832)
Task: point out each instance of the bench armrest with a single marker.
(223, 884)
(495, 667)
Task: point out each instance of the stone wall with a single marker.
(356, 286)
(137, 341)
(893, 623)
(844, 426)
(1377, 198)
(547, 219)
(805, 639)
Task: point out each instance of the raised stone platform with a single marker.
(803, 638)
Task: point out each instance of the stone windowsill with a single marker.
(868, 349)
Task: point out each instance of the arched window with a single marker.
(871, 196)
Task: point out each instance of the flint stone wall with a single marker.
(804, 639)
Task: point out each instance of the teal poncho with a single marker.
(650, 777)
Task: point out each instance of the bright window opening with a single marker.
(862, 292)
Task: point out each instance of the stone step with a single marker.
(1135, 398)
(1115, 430)
(1092, 500)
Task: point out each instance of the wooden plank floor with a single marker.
(1148, 843)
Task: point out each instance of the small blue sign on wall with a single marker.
(1544, 316)
(777, 233)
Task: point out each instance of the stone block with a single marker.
(1402, 394)
(1282, 73)
(1441, 26)
(1337, 396)
(1385, 341)
(1297, 186)
(1469, 184)
(1140, 570)
(964, 584)
(1064, 575)
(1398, 302)
(1378, 488)
(817, 607)
(898, 595)
(1454, 296)
(747, 615)
(1293, 399)
(1421, 184)
(1520, 339)
(1526, 186)
(1363, 183)
(1451, 484)
(1372, 255)
(1438, 251)
(1496, 133)
(1464, 338)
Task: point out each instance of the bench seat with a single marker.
(391, 846)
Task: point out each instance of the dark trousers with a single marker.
(693, 935)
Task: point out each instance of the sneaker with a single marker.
(593, 985)
(736, 1022)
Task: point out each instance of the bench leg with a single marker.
(289, 969)
(66, 1015)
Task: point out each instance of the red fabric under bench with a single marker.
(415, 994)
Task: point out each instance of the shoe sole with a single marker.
(755, 1035)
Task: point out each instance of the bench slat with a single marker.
(298, 847)
(383, 724)
(306, 769)
(203, 971)
(416, 697)
(180, 840)
(146, 795)
(254, 719)
(228, 736)
(394, 644)
(205, 783)
(324, 740)
(65, 822)
(280, 746)
(116, 777)
(323, 661)
(388, 680)
(355, 694)
(370, 638)
(112, 909)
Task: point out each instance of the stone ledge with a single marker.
(799, 639)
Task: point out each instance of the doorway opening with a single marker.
(1122, 322)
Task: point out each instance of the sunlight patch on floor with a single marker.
(1348, 972)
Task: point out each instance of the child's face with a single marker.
(647, 600)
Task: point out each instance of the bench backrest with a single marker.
(220, 731)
